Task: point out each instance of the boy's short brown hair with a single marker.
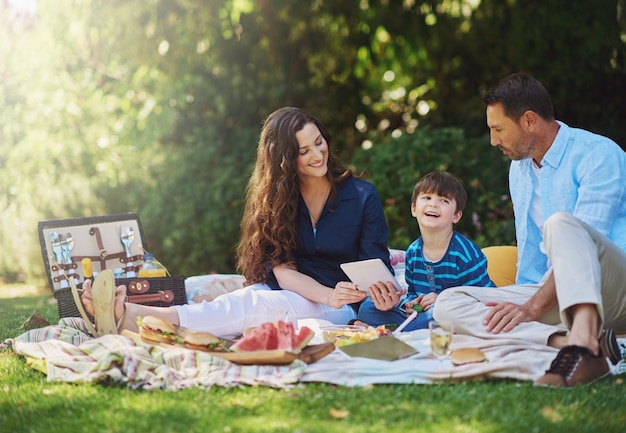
(444, 184)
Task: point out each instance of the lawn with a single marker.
(28, 403)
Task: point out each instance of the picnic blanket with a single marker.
(506, 358)
(66, 352)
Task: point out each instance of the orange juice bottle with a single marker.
(151, 267)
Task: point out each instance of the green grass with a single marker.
(28, 403)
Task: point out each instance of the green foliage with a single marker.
(394, 165)
(113, 106)
(574, 48)
(78, 123)
(202, 186)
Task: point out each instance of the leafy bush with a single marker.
(192, 223)
(394, 165)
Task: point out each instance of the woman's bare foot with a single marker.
(126, 313)
(119, 307)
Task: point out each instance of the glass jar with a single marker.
(151, 267)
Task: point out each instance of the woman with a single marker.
(305, 214)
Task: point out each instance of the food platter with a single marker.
(308, 355)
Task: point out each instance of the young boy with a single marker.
(440, 258)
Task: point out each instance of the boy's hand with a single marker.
(428, 300)
(413, 305)
(385, 296)
(424, 302)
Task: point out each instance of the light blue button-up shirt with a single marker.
(583, 174)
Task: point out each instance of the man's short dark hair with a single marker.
(519, 93)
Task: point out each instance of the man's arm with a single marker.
(505, 316)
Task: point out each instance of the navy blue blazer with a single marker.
(352, 227)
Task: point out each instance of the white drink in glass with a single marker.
(440, 339)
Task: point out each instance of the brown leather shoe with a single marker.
(574, 365)
(609, 347)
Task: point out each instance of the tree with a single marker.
(155, 107)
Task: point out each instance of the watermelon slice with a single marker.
(263, 337)
(270, 336)
(305, 335)
(286, 334)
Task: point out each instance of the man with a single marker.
(568, 188)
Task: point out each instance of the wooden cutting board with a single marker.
(309, 354)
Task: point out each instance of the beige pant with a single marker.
(588, 268)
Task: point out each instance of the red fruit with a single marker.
(263, 337)
(286, 335)
(270, 336)
(305, 334)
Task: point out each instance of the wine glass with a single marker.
(441, 339)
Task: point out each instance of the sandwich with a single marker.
(204, 341)
(153, 329)
(467, 355)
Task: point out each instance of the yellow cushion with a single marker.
(501, 264)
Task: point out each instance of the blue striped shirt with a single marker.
(464, 264)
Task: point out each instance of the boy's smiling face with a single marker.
(434, 211)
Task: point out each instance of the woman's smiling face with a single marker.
(312, 152)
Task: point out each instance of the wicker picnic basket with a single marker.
(158, 292)
(98, 239)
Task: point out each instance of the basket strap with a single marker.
(78, 302)
(161, 296)
(81, 309)
(95, 231)
(103, 260)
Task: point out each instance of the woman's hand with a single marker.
(345, 293)
(385, 296)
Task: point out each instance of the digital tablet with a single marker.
(364, 273)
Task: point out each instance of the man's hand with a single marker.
(385, 296)
(505, 316)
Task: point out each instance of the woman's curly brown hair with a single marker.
(268, 226)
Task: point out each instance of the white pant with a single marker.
(228, 315)
(588, 268)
